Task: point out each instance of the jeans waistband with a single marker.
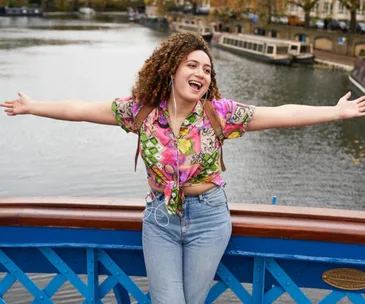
(206, 193)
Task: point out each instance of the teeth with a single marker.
(197, 83)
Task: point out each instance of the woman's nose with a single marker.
(199, 73)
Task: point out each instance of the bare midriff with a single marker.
(189, 190)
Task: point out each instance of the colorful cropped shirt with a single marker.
(192, 157)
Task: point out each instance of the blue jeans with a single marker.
(182, 253)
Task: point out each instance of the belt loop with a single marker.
(201, 198)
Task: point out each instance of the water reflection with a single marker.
(62, 22)
(352, 139)
(320, 165)
(73, 27)
(267, 85)
(7, 44)
(311, 166)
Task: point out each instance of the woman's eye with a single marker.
(192, 65)
(207, 71)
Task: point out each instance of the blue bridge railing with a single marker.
(95, 245)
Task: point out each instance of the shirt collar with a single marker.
(198, 109)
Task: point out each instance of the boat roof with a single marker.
(253, 38)
(275, 39)
(264, 39)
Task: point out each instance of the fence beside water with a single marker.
(95, 245)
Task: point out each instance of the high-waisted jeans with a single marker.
(182, 253)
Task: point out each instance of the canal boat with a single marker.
(20, 12)
(357, 77)
(266, 50)
(155, 23)
(302, 52)
(86, 12)
(205, 31)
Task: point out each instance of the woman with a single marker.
(186, 225)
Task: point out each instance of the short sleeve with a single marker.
(235, 117)
(125, 110)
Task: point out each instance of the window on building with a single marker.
(342, 9)
(326, 7)
(314, 9)
(360, 11)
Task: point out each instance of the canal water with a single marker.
(54, 59)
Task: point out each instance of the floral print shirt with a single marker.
(192, 157)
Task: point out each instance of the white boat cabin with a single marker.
(273, 51)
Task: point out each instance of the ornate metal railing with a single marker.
(276, 250)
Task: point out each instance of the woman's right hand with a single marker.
(17, 106)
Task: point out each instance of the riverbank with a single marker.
(325, 58)
(335, 61)
(75, 13)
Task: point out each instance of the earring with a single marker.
(171, 81)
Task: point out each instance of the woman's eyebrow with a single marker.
(196, 61)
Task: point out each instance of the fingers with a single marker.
(360, 100)
(22, 95)
(9, 112)
(8, 104)
(347, 95)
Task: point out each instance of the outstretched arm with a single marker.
(299, 115)
(96, 112)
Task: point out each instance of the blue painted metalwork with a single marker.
(13, 268)
(65, 270)
(53, 286)
(233, 283)
(286, 282)
(258, 290)
(123, 280)
(355, 298)
(273, 266)
(6, 283)
(218, 289)
(92, 277)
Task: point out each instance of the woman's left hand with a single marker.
(351, 108)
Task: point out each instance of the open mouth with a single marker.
(195, 85)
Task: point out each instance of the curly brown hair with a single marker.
(152, 85)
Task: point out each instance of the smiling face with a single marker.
(193, 77)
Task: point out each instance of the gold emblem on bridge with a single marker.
(345, 278)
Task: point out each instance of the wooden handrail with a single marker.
(305, 223)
